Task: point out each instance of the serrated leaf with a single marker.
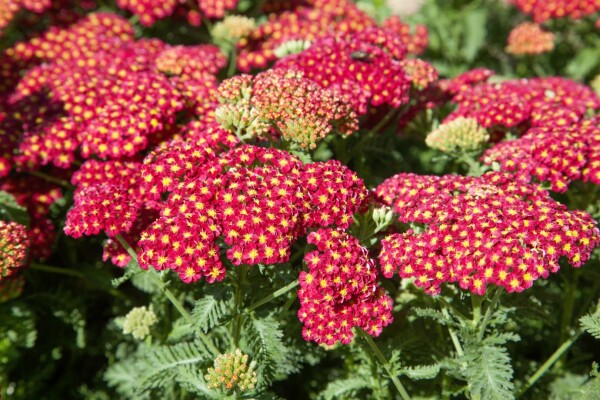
(489, 372)
(344, 388)
(591, 324)
(10, 210)
(419, 372)
(211, 310)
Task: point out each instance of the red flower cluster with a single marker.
(493, 229)
(301, 110)
(553, 101)
(340, 290)
(99, 92)
(306, 20)
(100, 208)
(416, 39)
(543, 10)
(149, 11)
(14, 244)
(258, 200)
(556, 154)
(363, 66)
(529, 38)
(36, 195)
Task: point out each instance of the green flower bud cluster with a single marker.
(231, 373)
(138, 322)
(233, 28)
(461, 134)
(292, 47)
(383, 217)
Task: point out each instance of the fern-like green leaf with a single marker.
(419, 372)
(162, 363)
(591, 324)
(212, 310)
(264, 338)
(344, 388)
(431, 313)
(489, 372)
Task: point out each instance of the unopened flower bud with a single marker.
(291, 47)
(231, 373)
(138, 322)
(460, 134)
(383, 217)
(232, 28)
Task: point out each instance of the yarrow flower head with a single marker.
(231, 373)
(258, 200)
(490, 230)
(529, 38)
(340, 291)
(138, 322)
(416, 38)
(149, 11)
(558, 155)
(420, 73)
(461, 134)
(364, 67)
(14, 245)
(543, 10)
(302, 111)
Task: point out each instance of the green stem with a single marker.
(549, 362)
(384, 363)
(236, 323)
(488, 313)
(272, 296)
(449, 306)
(568, 309)
(476, 304)
(453, 335)
(51, 179)
(232, 62)
(169, 295)
(55, 270)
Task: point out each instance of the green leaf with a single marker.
(489, 372)
(265, 339)
(419, 372)
(345, 388)
(10, 210)
(474, 33)
(583, 63)
(212, 310)
(591, 324)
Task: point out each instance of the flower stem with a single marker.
(549, 362)
(272, 296)
(488, 313)
(169, 295)
(232, 62)
(453, 336)
(55, 270)
(236, 323)
(51, 179)
(476, 304)
(384, 363)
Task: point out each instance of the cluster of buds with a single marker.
(302, 111)
(558, 155)
(14, 245)
(543, 10)
(364, 67)
(491, 230)
(340, 291)
(232, 28)
(138, 322)
(459, 135)
(528, 39)
(231, 373)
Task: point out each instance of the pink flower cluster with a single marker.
(492, 230)
(522, 103)
(363, 66)
(529, 38)
(339, 291)
(543, 10)
(99, 93)
(149, 11)
(556, 154)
